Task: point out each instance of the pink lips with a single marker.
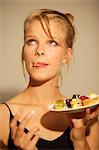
(39, 64)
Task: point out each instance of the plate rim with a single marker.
(50, 108)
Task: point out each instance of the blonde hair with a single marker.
(44, 16)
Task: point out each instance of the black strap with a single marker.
(11, 115)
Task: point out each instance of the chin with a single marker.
(43, 77)
(37, 82)
(39, 78)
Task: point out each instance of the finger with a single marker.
(24, 121)
(13, 125)
(19, 139)
(14, 120)
(32, 133)
(21, 127)
(94, 112)
(87, 114)
(32, 144)
(78, 123)
(34, 141)
(17, 129)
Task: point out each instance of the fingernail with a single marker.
(33, 112)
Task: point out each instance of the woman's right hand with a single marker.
(20, 138)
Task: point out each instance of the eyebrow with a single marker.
(29, 35)
(59, 38)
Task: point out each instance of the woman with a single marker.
(25, 120)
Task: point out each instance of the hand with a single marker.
(80, 122)
(79, 126)
(20, 138)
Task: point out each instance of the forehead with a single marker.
(55, 28)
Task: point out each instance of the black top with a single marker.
(61, 143)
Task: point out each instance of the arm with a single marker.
(78, 135)
(84, 133)
(91, 139)
(4, 126)
(93, 134)
(81, 145)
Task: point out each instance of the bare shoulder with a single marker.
(4, 123)
(4, 111)
(5, 118)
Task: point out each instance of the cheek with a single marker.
(56, 59)
(27, 54)
(57, 56)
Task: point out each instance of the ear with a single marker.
(67, 55)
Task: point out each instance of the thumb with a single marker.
(77, 123)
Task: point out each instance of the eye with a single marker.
(31, 42)
(53, 43)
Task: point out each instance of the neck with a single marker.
(44, 93)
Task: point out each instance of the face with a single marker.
(43, 55)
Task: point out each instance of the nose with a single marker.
(39, 51)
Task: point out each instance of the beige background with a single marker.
(83, 76)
